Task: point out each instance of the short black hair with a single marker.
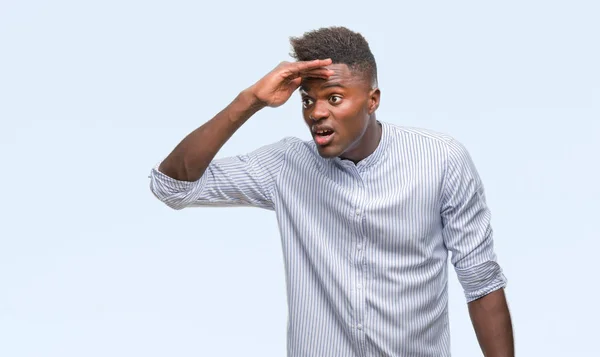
(338, 43)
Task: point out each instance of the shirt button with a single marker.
(359, 326)
(358, 212)
(359, 246)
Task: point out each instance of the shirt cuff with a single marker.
(480, 280)
(175, 193)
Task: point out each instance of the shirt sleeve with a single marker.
(467, 231)
(242, 180)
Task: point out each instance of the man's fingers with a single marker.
(308, 65)
(322, 73)
(317, 73)
(308, 69)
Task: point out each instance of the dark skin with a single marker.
(191, 157)
(492, 323)
(357, 132)
(343, 101)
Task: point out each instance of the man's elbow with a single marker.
(175, 201)
(173, 193)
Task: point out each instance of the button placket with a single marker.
(359, 256)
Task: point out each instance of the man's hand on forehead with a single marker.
(310, 69)
(277, 86)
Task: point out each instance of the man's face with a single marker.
(338, 110)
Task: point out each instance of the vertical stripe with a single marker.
(365, 245)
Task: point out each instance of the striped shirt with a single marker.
(365, 245)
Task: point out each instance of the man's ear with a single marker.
(374, 97)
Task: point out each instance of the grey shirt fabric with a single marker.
(365, 245)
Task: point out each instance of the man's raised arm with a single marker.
(191, 157)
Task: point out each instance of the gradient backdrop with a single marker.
(94, 93)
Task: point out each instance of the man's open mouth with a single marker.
(324, 136)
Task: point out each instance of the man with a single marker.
(368, 211)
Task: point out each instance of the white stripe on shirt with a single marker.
(365, 246)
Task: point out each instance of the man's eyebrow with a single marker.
(305, 90)
(333, 84)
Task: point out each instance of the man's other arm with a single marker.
(492, 322)
(468, 235)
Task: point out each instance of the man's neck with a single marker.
(368, 143)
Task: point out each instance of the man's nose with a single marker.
(320, 111)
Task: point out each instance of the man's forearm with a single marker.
(493, 326)
(191, 157)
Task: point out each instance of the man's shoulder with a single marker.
(427, 140)
(422, 134)
(285, 143)
(298, 144)
(293, 146)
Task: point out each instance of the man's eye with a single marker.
(335, 99)
(306, 102)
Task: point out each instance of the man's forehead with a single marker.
(342, 77)
(311, 84)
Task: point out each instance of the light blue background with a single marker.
(94, 93)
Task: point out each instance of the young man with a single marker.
(368, 211)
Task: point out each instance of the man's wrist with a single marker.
(250, 100)
(243, 107)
